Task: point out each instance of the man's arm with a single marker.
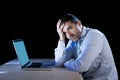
(61, 44)
(62, 53)
(90, 49)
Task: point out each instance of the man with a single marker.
(87, 50)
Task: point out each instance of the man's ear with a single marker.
(79, 23)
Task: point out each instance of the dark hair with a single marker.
(68, 17)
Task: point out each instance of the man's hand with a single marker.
(60, 30)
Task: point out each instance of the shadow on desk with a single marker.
(12, 71)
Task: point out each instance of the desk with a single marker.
(12, 71)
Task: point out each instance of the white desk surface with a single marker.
(12, 71)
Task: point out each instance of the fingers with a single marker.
(59, 26)
(58, 23)
(60, 30)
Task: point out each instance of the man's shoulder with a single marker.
(95, 31)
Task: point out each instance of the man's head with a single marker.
(72, 26)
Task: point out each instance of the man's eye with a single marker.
(69, 28)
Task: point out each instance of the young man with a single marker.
(87, 50)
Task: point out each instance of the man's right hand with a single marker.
(60, 30)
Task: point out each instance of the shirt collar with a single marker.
(83, 32)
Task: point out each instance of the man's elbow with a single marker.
(59, 64)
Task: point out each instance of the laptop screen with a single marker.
(21, 51)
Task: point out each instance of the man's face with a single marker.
(72, 31)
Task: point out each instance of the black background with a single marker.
(35, 22)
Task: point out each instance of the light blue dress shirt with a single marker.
(91, 55)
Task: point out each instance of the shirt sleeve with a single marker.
(90, 49)
(62, 53)
(59, 50)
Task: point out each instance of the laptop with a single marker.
(25, 62)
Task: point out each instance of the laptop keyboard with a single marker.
(35, 65)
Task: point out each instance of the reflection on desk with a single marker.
(12, 71)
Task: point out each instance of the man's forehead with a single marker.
(67, 25)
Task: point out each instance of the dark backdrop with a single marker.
(35, 22)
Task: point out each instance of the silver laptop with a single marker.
(24, 60)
